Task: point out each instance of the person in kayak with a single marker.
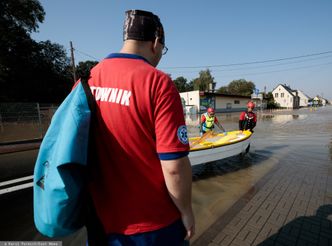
(208, 120)
(248, 118)
(141, 183)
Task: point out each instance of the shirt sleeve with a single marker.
(242, 115)
(170, 128)
(215, 119)
(203, 119)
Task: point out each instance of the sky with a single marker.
(267, 42)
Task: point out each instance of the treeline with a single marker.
(33, 71)
(29, 70)
(205, 82)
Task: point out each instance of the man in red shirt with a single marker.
(141, 185)
(248, 118)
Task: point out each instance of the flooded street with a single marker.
(301, 137)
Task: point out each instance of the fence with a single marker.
(24, 121)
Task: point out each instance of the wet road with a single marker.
(299, 136)
(16, 207)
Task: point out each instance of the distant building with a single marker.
(286, 97)
(304, 99)
(324, 101)
(260, 100)
(320, 101)
(199, 101)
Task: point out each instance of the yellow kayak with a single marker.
(215, 146)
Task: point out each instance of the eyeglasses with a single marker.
(165, 49)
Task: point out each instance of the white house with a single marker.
(286, 97)
(199, 101)
(320, 101)
(304, 99)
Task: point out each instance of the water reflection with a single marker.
(228, 116)
(288, 118)
(267, 117)
(192, 119)
(232, 164)
(330, 148)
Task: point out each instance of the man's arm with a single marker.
(178, 178)
(241, 121)
(220, 126)
(216, 121)
(201, 124)
(241, 125)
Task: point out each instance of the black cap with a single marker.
(143, 26)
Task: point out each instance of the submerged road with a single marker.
(287, 149)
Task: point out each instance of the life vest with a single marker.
(249, 116)
(249, 122)
(209, 122)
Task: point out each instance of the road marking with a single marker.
(15, 188)
(13, 181)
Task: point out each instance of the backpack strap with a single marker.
(95, 231)
(88, 93)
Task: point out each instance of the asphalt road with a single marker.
(16, 207)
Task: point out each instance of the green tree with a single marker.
(190, 86)
(29, 71)
(202, 82)
(223, 90)
(181, 84)
(271, 104)
(17, 20)
(241, 87)
(84, 67)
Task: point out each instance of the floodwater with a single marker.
(289, 136)
(302, 136)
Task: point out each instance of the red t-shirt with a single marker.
(140, 121)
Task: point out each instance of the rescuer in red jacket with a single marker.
(248, 118)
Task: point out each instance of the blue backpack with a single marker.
(60, 176)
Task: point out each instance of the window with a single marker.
(236, 101)
(281, 94)
(276, 95)
(228, 106)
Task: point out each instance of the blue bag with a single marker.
(59, 189)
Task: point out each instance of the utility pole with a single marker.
(73, 61)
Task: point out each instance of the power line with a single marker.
(274, 65)
(253, 62)
(215, 72)
(283, 70)
(256, 67)
(86, 54)
(82, 53)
